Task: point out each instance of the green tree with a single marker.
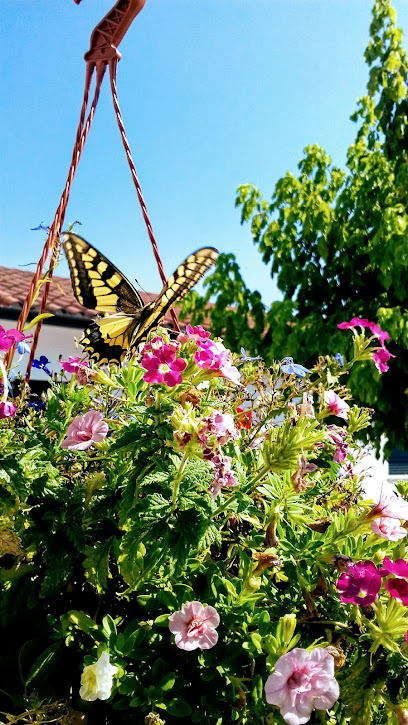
(337, 241)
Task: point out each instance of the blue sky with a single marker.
(214, 93)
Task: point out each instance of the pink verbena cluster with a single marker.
(381, 355)
(161, 362)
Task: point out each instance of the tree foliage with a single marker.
(336, 240)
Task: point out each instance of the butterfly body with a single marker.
(99, 285)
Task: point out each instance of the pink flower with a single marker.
(223, 474)
(214, 356)
(85, 430)
(221, 425)
(376, 330)
(194, 626)
(302, 681)
(360, 584)
(73, 364)
(398, 589)
(193, 333)
(389, 505)
(7, 409)
(162, 365)
(398, 567)
(354, 322)
(335, 405)
(9, 337)
(381, 357)
(396, 585)
(389, 529)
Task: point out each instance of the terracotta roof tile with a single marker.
(15, 283)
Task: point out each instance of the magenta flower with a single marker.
(389, 529)
(196, 333)
(194, 626)
(73, 364)
(360, 584)
(375, 329)
(354, 322)
(337, 436)
(399, 568)
(162, 365)
(214, 356)
(9, 337)
(7, 409)
(335, 405)
(398, 589)
(84, 431)
(381, 357)
(301, 682)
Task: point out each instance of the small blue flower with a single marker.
(36, 405)
(245, 357)
(288, 366)
(339, 357)
(41, 228)
(41, 364)
(22, 347)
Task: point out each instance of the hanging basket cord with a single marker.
(104, 39)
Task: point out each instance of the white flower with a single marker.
(96, 680)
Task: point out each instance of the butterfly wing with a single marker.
(100, 286)
(182, 281)
(97, 283)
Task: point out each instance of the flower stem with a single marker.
(178, 479)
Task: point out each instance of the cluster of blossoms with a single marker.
(163, 363)
(363, 580)
(204, 437)
(381, 355)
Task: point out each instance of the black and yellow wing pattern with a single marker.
(100, 286)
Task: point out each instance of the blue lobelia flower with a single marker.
(36, 405)
(339, 357)
(288, 366)
(41, 364)
(22, 347)
(41, 228)
(246, 358)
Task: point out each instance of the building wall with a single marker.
(55, 342)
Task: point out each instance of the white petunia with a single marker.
(97, 679)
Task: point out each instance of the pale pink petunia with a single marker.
(390, 505)
(85, 430)
(381, 357)
(73, 364)
(301, 682)
(335, 405)
(222, 425)
(388, 528)
(194, 626)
